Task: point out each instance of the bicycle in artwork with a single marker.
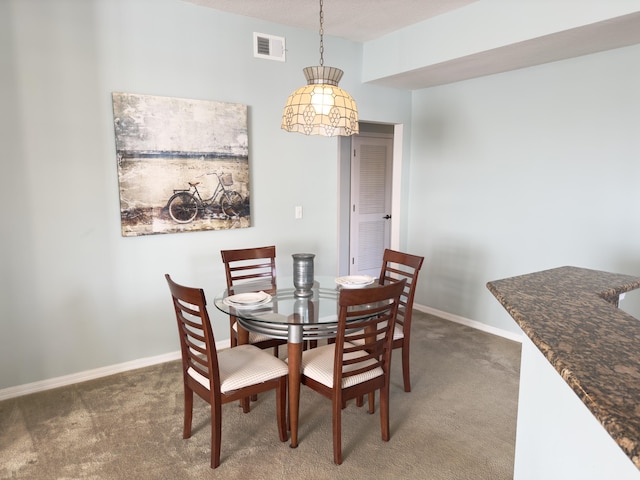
(185, 204)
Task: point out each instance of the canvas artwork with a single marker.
(183, 165)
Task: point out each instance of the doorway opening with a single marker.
(370, 176)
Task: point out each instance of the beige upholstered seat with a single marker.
(221, 377)
(254, 338)
(357, 363)
(242, 367)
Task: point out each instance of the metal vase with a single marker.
(303, 274)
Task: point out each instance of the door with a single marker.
(370, 212)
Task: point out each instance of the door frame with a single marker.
(344, 193)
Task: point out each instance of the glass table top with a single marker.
(284, 307)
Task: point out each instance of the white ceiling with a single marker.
(364, 20)
(359, 20)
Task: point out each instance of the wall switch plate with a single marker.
(298, 212)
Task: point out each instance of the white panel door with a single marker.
(371, 167)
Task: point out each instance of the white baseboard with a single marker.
(65, 380)
(516, 337)
(56, 382)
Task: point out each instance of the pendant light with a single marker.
(321, 107)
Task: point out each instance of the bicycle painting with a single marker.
(183, 165)
(184, 205)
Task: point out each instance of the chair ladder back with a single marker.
(365, 326)
(250, 269)
(239, 273)
(397, 266)
(197, 342)
(370, 350)
(250, 264)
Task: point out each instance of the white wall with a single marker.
(76, 295)
(525, 171)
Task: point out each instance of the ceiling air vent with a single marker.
(268, 46)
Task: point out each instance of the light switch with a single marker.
(298, 212)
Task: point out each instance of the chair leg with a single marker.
(384, 412)
(188, 412)
(281, 408)
(245, 404)
(216, 434)
(405, 367)
(337, 430)
(372, 402)
(360, 401)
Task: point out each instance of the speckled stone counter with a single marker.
(571, 315)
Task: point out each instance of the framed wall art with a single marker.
(183, 165)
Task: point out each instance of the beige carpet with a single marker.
(457, 423)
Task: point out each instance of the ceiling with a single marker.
(376, 18)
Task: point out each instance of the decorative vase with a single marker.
(303, 274)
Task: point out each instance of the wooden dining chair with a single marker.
(402, 266)
(358, 362)
(398, 266)
(255, 267)
(225, 376)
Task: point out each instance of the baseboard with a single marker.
(65, 380)
(469, 323)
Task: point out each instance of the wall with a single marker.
(525, 171)
(76, 295)
(461, 41)
(504, 175)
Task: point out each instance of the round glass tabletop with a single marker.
(273, 315)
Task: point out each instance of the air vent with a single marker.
(268, 46)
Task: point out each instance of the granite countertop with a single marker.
(571, 314)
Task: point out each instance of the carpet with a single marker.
(459, 422)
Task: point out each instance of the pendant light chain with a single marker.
(321, 36)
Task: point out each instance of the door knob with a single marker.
(387, 217)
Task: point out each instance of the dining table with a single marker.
(282, 313)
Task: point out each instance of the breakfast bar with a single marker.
(571, 320)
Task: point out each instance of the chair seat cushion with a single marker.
(317, 363)
(242, 366)
(398, 332)
(253, 336)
